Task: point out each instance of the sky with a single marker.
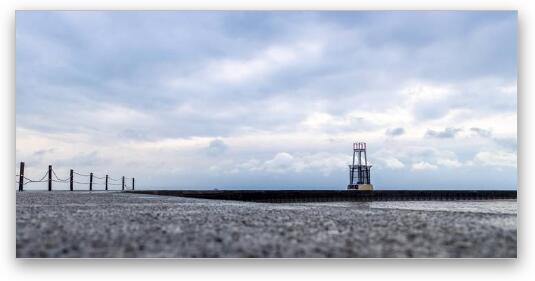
(269, 100)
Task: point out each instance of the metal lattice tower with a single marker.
(359, 171)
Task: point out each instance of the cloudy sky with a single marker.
(269, 99)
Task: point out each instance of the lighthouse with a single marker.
(359, 171)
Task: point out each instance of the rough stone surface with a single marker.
(115, 224)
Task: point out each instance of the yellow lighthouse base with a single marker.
(365, 187)
(360, 187)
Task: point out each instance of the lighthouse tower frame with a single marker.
(359, 171)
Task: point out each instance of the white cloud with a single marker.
(326, 163)
(423, 166)
(289, 94)
(322, 120)
(393, 163)
(286, 163)
(449, 162)
(252, 165)
(419, 92)
(264, 63)
(323, 163)
(496, 158)
(282, 163)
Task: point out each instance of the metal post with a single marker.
(133, 182)
(360, 157)
(352, 173)
(71, 181)
(49, 177)
(21, 176)
(90, 181)
(366, 168)
(123, 182)
(106, 182)
(365, 158)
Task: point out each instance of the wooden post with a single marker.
(71, 180)
(106, 182)
(49, 177)
(21, 176)
(133, 182)
(123, 182)
(90, 181)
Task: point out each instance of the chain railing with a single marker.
(91, 180)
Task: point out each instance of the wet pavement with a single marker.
(116, 224)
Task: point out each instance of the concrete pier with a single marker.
(288, 196)
(108, 224)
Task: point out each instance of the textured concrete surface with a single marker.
(114, 224)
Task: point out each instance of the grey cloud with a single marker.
(136, 134)
(507, 143)
(42, 152)
(216, 147)
(447, 133)
(81, 160)
(432, 110)
(481, 132)
(39, 156)
(393, 132)
(161, 69)
(113, 70)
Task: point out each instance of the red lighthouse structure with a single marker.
(359, 171)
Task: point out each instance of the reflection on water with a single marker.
(484, 206)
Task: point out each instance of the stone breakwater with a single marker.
(116, 224)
